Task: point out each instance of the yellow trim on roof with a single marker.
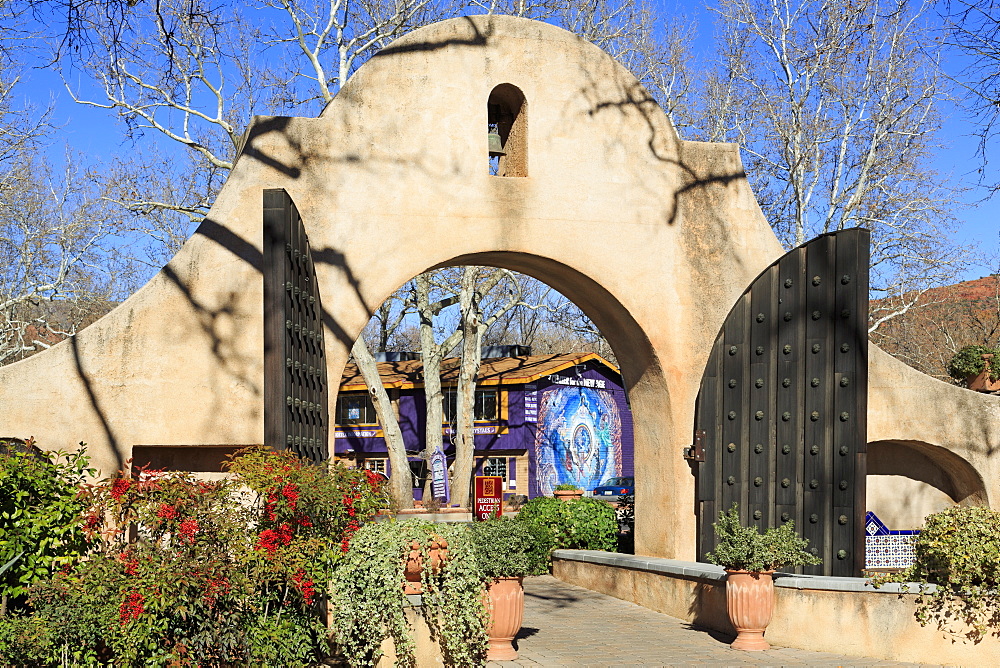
(502, 378)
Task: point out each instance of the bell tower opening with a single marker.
(507, 121)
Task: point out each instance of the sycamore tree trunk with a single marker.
(432, 354)
(465, 439)
(474, 288)
(399, 480)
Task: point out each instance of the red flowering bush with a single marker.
(190, 572)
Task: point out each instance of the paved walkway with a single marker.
(566, 625)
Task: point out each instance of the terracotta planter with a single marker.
(415, 564)
(568, 494)
(982, 382)
(506, 598)
(750, 600)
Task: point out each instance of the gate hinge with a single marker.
(696, 452)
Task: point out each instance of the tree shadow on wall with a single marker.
(626, 97)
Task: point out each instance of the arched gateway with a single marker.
(653, 237)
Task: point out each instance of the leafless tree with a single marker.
(399, 483)
(476, 285)
(948, 319)
(973, 28)
(836, 108)
(61, 261)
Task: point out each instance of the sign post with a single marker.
(489, 497)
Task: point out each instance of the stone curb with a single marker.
(711, 572)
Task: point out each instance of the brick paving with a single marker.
(566, 625)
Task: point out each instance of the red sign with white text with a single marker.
(489, 497)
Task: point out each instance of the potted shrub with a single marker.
(505, 551)
(567, 492)
(750, 559)
(974, 365)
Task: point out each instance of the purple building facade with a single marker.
(541, 420)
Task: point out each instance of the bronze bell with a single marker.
(496, 145)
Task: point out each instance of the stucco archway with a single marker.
(652, 236)
(908, 480)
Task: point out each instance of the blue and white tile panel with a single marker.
(885, 548)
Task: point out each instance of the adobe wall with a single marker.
(821, 614)
(651, 236)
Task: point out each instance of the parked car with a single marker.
(613, 489)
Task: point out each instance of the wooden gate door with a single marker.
(296, 392)
(781, 415)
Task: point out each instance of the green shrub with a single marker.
(40, 510)
(507, 548)
(25, 641)
(592, 525)
(968, 361)
(747, 549)
(189, 572)
(581, 524)
(957, 551)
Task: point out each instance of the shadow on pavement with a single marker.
(715, 635)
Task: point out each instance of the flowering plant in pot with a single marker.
(506, 552)
(750, 559)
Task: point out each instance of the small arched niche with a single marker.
(507, 116)
(908, 480)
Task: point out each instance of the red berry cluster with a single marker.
(214, 588)
(374, 479)
(305, 585)
(130, 562)
(352, 525)
(291, 492)
(287, 490)
(271, 539)
(132, 607)
(272, 503)
(120, 488)
(188, 529)
(166, 512)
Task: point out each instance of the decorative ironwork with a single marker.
(296, 392)
(801, 433)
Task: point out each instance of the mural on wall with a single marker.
(578, 439)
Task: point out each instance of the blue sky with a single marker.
(97, 133)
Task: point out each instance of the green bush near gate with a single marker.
(581, 524)
(957, 564)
